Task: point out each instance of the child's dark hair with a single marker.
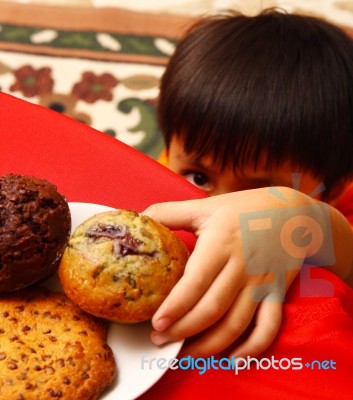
(237, 85)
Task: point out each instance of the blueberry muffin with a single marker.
(120, 265)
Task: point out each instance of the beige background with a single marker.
(339, 11)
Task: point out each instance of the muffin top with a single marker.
(35, 225)
(120, 265)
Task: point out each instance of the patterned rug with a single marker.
(99, 66)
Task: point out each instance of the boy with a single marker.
(246, 103)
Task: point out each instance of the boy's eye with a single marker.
(198, 179)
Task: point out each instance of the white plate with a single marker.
(131, 345)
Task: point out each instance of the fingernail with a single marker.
(158, 339)
(161, 324)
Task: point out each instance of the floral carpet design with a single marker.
(102, 71)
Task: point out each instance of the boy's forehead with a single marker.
(245, 169)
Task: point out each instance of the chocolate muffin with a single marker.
(120, 265)
(35, 225)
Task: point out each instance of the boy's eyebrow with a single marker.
(199, 164)
(183, 157)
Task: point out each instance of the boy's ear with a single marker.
(163, 157)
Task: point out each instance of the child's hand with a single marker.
(217, 298)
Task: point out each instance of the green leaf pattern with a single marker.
(118, 90)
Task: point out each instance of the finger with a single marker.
(228, 329)
(268, 322)
(176, 215)
(200, 272)
(209, 309)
